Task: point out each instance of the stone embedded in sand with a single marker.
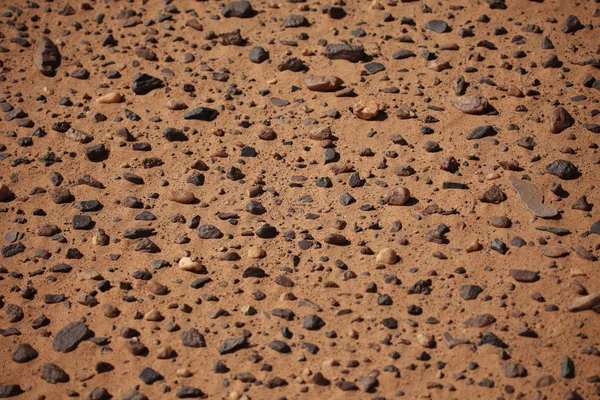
(559, 120)
(563, 169)
(585, 302)
(109, 98)
(387, 256)
(176, 105)
(79, 136)
(52, 373)
(514, 91)
(202, 114)
(479, 321)
(5, 192)
(209, 232)
(523, 275)
(571, 24)
(256, 252)
(397, 197)
(550, 61)
(144, 83)
(336, 239)
(439, 66)
(69, 337)
(181, 196)
(472, 104)
(232, 345)
(532, 198)
(156, 288)
(437, 25)
(327, 83)
(238, 9)
(258, 54)
(404, 112)
(342, 51)
(295, 21)
(189, 264)
(323, 133)
(24, 353)
(481, 131)
(47, 57)
(514, 370)
(494, 195)
(425, 340)
(366, 109)
(555, 252)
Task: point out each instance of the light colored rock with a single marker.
(472, 104)
(585, 302)
(181, 196)
(188, 264)
(322, 133)
(256, 252)
(109, 98)
(79, 136)
(555, 252)
(366, 109)
(176, 105)
(397, 197)
(426, 341)
(531, 197)
(387, 256)
(153, 316)
(327, 83)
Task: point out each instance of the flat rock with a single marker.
(522, 275)
(327, 83)
(69, 337)
(472, 104)
(532, 198)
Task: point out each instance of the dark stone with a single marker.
(490, 338)
(437, 26)
(202, 114)
(188, 392)
(192, 338)
(522, 275)
(209, 232)
(47, 58)
(342, 51)
(563, 169)
(144, 83)
(403, 54)
(149, 376)
(82, 222)
(238, 9)
(69, 337)
(7, 391)
(258, 55)
(24, 353)
(571, 25)
(280, 347)
(266, 232)
(313, 323)
(96, 153)
(470, 292)
(174, 135)
(232, 345)
(52, 373)
(481, 132)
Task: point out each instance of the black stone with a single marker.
(202, 114)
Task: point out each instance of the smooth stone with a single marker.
(387, 256)
(522, 275)
(181, 196)
(472, 104)
(327, 83)
(585, 302)
(110, 98)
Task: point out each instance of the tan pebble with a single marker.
(397, 197)
(387, 256)
(181, 196)
(109, 98)
(425, 340)
(366, 109)
(585, 302)
(183, 373)
(256, 252)
(492, 176)
(575, 272)
(474, 246)
(188, 264)
(176, 105)
(154, 316)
